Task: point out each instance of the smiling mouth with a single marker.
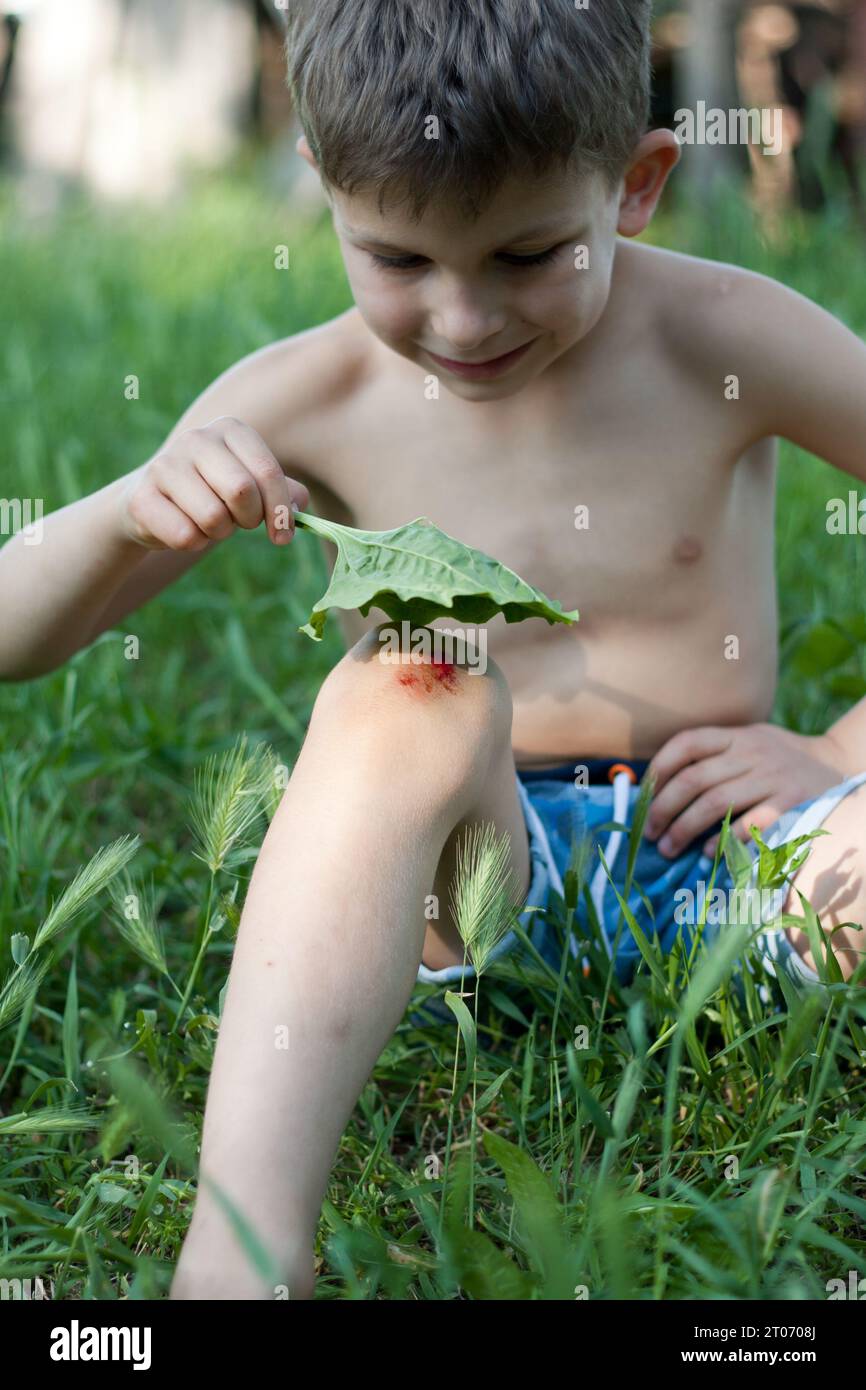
(492, 367)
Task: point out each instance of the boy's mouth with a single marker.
(494, 366)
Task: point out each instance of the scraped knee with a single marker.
(435, 696)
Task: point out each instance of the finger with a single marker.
(184, 485)
(278, 491)
(686, 747)
(168, 525)
(707, 810)
(686, 786)
(232, 482)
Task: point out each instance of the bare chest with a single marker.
(616, 517)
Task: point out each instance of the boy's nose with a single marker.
(466, 323)
(468, 347)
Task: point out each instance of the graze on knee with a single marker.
(391, 669)
(425, 679)
(429, 661)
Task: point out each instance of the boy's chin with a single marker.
(465, 388)
(482, 390)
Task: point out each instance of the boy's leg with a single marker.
(330, 941)
(833, 880)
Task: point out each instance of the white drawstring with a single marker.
(621, 787)
(621, 784)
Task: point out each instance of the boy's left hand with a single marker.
(760, 770)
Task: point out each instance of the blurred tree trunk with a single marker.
(706, 71)
(856, 75)
(125, 97)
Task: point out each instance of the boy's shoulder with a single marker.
(794, 368)
(290, 389)
(719, 322)
(306, 371)
(697, 301)
(343, 341)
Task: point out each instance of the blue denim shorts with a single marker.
(558, 813)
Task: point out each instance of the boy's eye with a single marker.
(396, 262)
(538, 258)
(412, 262)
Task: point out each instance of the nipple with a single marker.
(688, 549)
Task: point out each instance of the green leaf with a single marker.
(539, 1215)
(111, 1193)
(714, 967)
(847, 687)
(737, 857)
(467, 1028)
(150, 1195)
(506, 1005)
(825, 646)
(803, 1011)
(71, 1059)
(492, 1092)
(417, 573)
(643, 944)
(485, 1271)
(826, 964)
(115, 1133)
(598, 1117)
(855, 625)
(150, 1111)
(776, 866)
(626, 1099)
(808, 1183)
(99, 1285)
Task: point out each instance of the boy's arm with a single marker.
(808, 373)
(88, 570)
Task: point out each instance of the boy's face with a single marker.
(531, 277)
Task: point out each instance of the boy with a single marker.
(582, 377)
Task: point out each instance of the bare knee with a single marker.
(443, 719)
(373, 680)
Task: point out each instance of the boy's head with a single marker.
(477, 145)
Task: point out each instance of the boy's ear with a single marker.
(654, 158)
(306, 153)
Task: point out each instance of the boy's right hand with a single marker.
(204, 484)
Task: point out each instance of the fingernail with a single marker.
(295, 507)
(666, 844)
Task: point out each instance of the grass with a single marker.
(696, 1145)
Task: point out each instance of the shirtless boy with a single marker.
(567, 379)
